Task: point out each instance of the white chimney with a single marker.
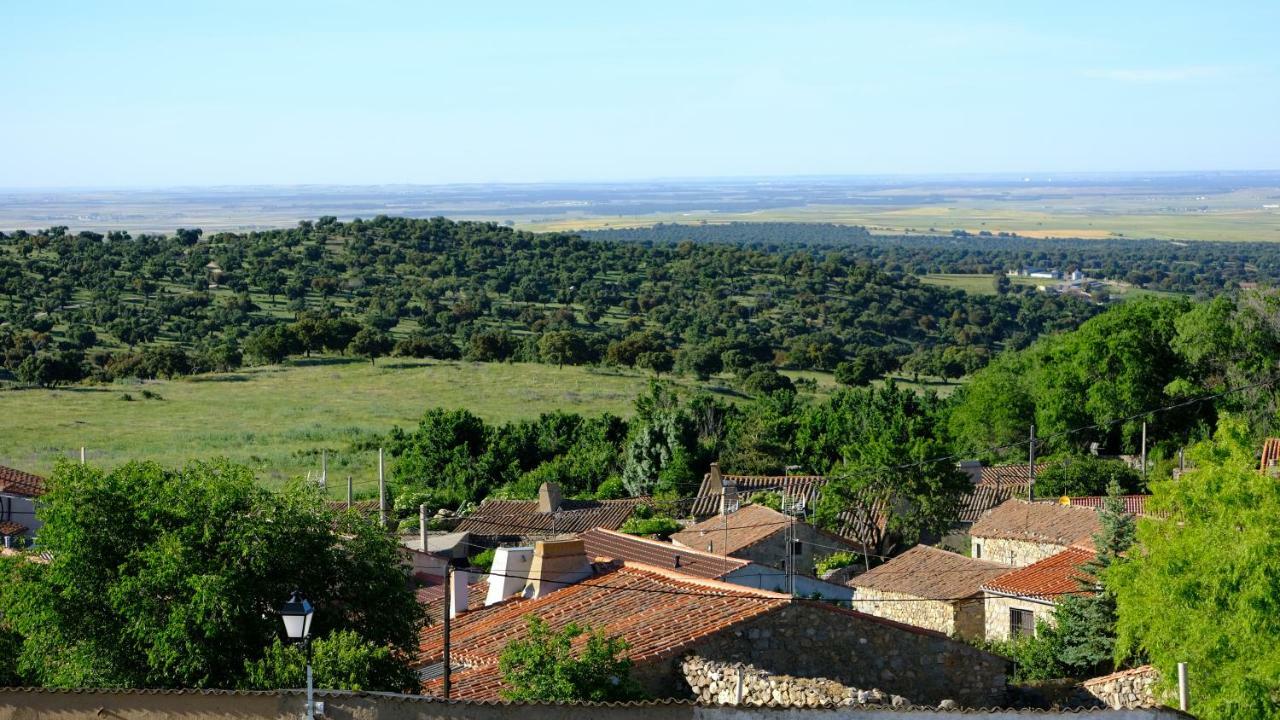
(458, 592)
(509, 573)
(728, 491)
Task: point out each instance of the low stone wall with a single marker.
(716, 683)
(1134, 688)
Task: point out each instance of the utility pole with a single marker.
(382, 493)
(81, 454)
(1144, 449)
(1031, 465)
(448, 592)
(324, 468)
(348, 492)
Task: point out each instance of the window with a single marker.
(797, 548)
(977, 551)
(1022, 623)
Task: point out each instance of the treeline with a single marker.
(87, 305)
(1204, 268)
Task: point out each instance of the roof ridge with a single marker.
(741, 591)
(680, 549)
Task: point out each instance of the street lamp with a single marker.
(297, 613)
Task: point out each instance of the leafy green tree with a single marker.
(271, 343)
(162, 578)
(1202, 589)
(1087, 475)
(371, 343)
(658, 362)
(341, 660)
(446, 457)
(766, 381)
(543, 667)
(563, 347)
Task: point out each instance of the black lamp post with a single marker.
(297, 613)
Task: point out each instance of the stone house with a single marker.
(667, 616)
(610, 545)
(764, 536)
(863, 523)
(929, 588)
(1019, 599)
(1018, 533)
(508, 522)
(19, 492)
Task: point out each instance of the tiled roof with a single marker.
(17, 482)
(929, 572)
(1039, 522)
(727, 534)
(1015, 474)
(9, 527)
(1133, 504)
(863, 523)
(1270, 455)
(1044, 580)
(431, 597)
(1141, 670)
(368, 508)
(618, 546)
(520, 518)
(659, 613)
(982, 498)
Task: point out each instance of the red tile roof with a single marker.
(8, 527)
(17, 482)
(1047, 579)
(1270, 455)
(660, 613)
(602, 543)
(1038, 522)
(862, 523)
(930, 572)
(727, 534)
(520, 518)
(1133, 504)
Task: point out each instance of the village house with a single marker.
(1017, 600)
(18, 493)
(930, 588)
(507, 522)
(607, 544)
(766, 537)
(1018, 533)
(669, 617)
(992, 485)
(863, 524)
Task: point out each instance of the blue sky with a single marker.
(189, 93)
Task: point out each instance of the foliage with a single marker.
(660, 526)
(1087, 475)
(835, 561)
(341, 660)
(482, 560)
(543, 666)
(1202, 591)
(371, 342)
(169, 578)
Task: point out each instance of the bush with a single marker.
(663, 527)
(767, 381)
(1087, 475)
(420, 345)
(482, 560)
(835, 561)
(544, 668)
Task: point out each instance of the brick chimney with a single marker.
(557, 564)
(549, 498)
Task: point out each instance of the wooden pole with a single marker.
(348, 492)
(81, 454)
(1031, 465)
(382, 493)
(1144, 448)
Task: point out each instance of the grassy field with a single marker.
(984, 285)
(277, 419)
(1233, 217)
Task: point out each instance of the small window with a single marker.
(977, 551)
(1022, 623)
(796, 547)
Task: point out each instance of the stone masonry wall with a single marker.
(807, 640)
(909, 609)
(1014, 553)
(996, 609)
(716, 683)
(1134, 688)
(971, 617)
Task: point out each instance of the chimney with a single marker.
(509, 573)
(422, 528)
(549, 498)
(458, 590)
(972, 468)
(728, 491)
(557, 564)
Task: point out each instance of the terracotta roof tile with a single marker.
(8, 527)
(1270, 455)
(1133, 504)
(1039, 522)
(1046, 579)
(17, 482)
(659, 613)
(520, 518)
(367, 508)
(863, 523)
(618, 546)
(984, 497)
(929, 572)
(727, 534)
(1014, 474)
